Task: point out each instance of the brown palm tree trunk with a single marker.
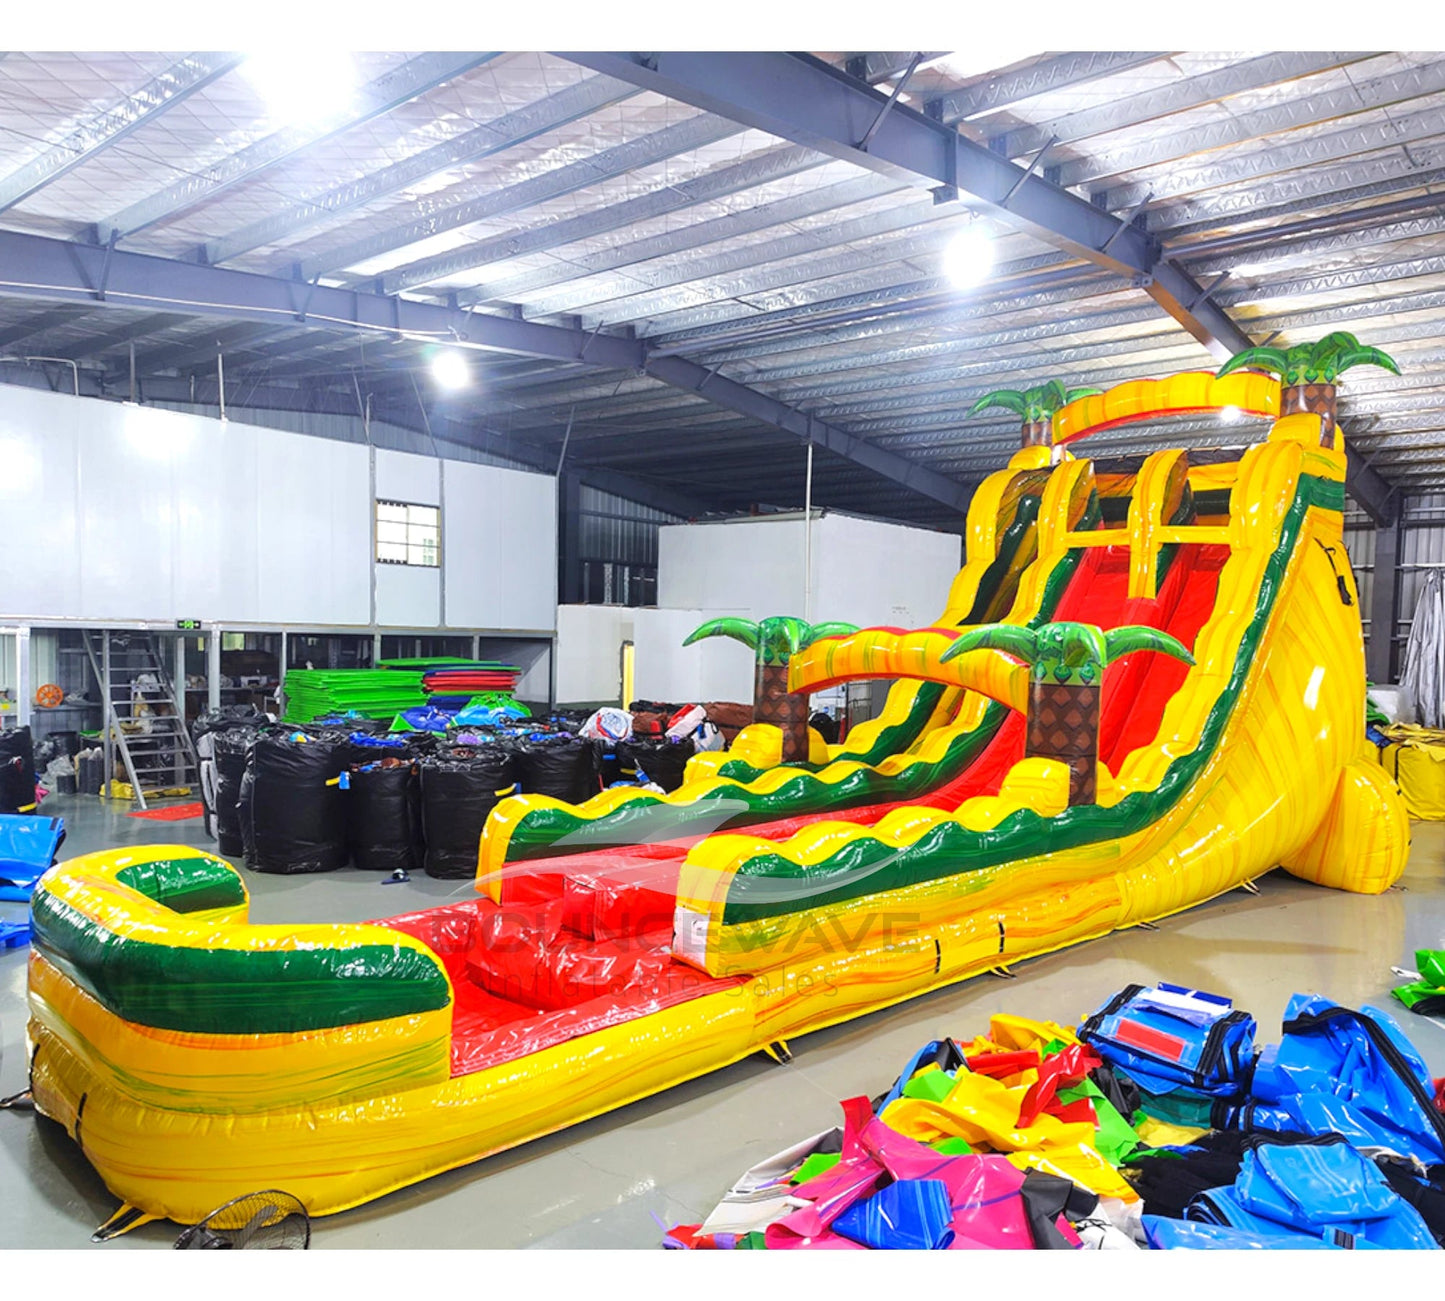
(1035, 433)
(774, 703)
(1316, 399)
(1064, 725)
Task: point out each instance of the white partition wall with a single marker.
(499, 547)
(867, 572)
(117, 512)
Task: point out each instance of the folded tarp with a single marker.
(1346, 1072)
(1314, 1190)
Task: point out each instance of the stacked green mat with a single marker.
(382, 692)
(374, 693)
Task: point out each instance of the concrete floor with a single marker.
(609, 1181)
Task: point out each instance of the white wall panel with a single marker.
(755, 566)
(589, 638)
(404, 476)
(499, 548)
(38, 489)
(870, 573)
(716, 668)
(314, 529)
(864, 571)
(408, 596)
(589, 646)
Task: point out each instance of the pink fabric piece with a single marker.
(983, 1189)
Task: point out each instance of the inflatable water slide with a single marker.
(1146, 689)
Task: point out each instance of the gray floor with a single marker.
(608, 1182)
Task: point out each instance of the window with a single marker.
(408, 535)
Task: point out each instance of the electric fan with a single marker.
(264, 1221)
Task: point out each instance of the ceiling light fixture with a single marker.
(303, 86)
(969, 256)
(450, 370)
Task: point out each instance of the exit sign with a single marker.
(188, 625)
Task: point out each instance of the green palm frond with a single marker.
(1011, 639)
(1361, 356)
(1074, 394)
(743, 630)
(1007, 398)
(1126, 641)
(1270, 359)
(822, 631)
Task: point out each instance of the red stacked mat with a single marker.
(469, 681)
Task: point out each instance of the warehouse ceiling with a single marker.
(673, 272)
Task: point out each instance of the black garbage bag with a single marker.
(228, 766)
(227, 721)
(383, 813)
(292, 810)
(566, 768)
(17, 771)
(458, 791)
(225, 718)
(662, 760)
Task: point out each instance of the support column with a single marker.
(24, 688)
(569, 540)
(213, 667)
(1384, 604)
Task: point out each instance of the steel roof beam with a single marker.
(1062, 72)
(96, 344)
(492, 137)
(574, 274)
(1286, 115)
(1176, 178)
(392, 89)
(137, 109)
(758, 170)
(884, 65)
(42, 321)
(1301, 191)
(434, 215)
(1249, 75)
(43, 267)
(802, 99)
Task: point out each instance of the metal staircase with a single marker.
(145, 722)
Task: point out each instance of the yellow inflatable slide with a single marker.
(1173, 701)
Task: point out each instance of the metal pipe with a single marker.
(808, 539)
(64, 361)
(221, 380)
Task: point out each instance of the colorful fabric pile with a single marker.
(1156, 1124)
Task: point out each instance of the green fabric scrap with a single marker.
(1116, 1138)
(1178, 1108)
(814, 1166)
(932, 1085)
(953, 1146)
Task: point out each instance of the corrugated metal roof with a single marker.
(526, 185)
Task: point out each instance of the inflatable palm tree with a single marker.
(1035, 407)
(1067, 662)
(775, 641)
(1308, 372)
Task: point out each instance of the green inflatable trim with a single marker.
(186, 885)
(772, 886)
(540, 832)
(235, 991)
